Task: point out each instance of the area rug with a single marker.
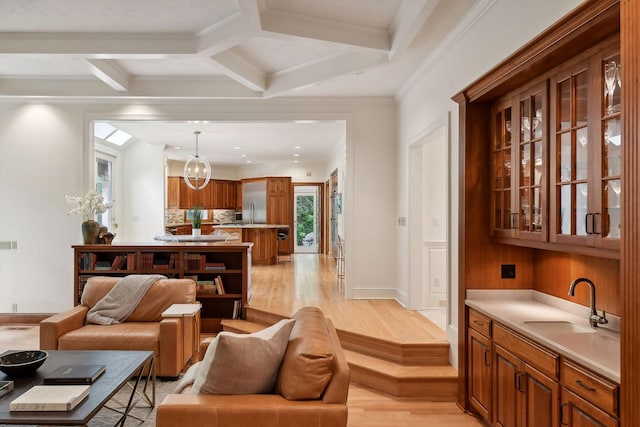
(107, 417)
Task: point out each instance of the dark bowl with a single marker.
(22, 363)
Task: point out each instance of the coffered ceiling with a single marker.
(217, 48)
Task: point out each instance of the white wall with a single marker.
(55, 141)
(41, 155)
(141, 193)
(477, 44)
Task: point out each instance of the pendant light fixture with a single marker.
(197, 170)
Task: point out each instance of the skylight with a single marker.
(110, 133)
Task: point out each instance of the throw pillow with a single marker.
(307, 366)
(243, 363)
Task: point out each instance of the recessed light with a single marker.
(305, 121)
(175, 147)
(243, 155)
(237, 147)
(296, 155)
(297, 147)
(295, 161)
(248, 161)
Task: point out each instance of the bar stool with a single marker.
(283, 234)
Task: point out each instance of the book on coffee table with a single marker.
(50, 398)
(74, 374)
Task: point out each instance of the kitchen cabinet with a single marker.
(173, 192)
(264, 241)
(514, 381)
(480, 364)
(587, 399)
(223, 194)
(280, 209)
(238, 189)
(526, 391)
(586, 141)
(519, 155)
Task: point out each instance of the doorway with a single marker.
(307, 218)
(428, 225)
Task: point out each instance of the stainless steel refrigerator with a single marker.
(254, 202)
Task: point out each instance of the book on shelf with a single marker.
(219, 285)
(206, 286)
(74, 374)
(160, 266)
(102, 265)
(131, 261)
(50, 398)
(237, 309)
(214, 266)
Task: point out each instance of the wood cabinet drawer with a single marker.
(595, 389)
(533, 354)
(480, 323)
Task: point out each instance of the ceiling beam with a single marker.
(408, 21)
(222, 36)
(320, 70)
(98, 45)
(110, 73)
(240, 70)
(158, 88)
(281, 23)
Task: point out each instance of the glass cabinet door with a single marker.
(571, 146)
(532, 164)
(586, 146)
(502, 212)
(610, 154)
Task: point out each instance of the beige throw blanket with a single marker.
(122, 299)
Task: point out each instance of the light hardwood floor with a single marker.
(311, 280)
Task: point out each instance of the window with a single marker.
(104, 186)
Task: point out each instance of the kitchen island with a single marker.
(263, 236)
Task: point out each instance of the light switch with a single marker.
(402, 220)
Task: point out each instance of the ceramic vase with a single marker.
(90, 231)
(195, 232)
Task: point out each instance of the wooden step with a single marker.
(241, 326)
(264, 317)
(434, 353)
(431, 383)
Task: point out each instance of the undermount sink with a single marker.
(560, 327)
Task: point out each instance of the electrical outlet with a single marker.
(14, 307)
(508, 271)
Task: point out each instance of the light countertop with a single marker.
(599, 351)
(252, 226)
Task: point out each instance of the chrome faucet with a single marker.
(594, 317)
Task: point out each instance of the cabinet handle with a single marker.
(584, 386)
(518, 382)
(477, 322)
(593, 223)
(562, 406)
(586, 223)
(487, 362)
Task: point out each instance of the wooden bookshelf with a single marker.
(204, 262)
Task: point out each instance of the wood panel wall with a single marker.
(554, 272)
(630, 260)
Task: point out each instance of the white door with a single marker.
(306, 219)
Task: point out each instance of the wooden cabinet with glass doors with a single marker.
(520, 165)
(586, 142)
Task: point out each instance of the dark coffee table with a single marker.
(121, 366)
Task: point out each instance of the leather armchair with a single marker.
(145, 329)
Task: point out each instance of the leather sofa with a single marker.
(145, 329)
(273, 409)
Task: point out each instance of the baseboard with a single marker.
(24, 318)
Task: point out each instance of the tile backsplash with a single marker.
(217, 216)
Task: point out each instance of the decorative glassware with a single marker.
(610, 80)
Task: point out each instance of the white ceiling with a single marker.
(215, 49)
